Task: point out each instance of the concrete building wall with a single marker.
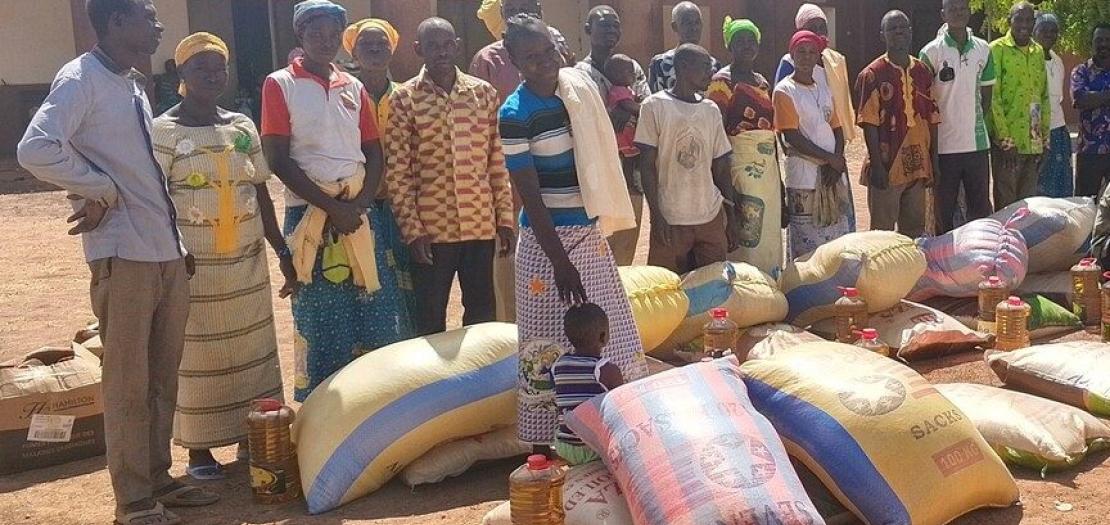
(569, 16)
(174, 15)
(36, 38)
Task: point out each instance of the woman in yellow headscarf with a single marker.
(371, 42)
(217, 177)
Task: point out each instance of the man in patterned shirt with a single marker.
(1020, 115)
(1090, 89)
(899, 120)
(447, 180)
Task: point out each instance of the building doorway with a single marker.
(254, 53)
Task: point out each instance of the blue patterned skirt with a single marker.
(334, 323)
(1057, 178)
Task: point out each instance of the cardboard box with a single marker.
(51, 409)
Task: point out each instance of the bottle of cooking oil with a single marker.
(536, 492)
(1086, 300)
(851, 314)
(869, 340)
(720, 334)
(1013, 332)
(991, 292)
(275, 477)
(1106, 308)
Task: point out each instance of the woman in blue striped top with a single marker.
(581, 375)
(562, 257)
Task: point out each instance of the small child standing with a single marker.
(581, 375)
(621, 72)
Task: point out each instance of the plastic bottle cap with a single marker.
(1106, 275)
(267, 405)
(538, 462)
(994, 280)
(1087, 261)
(869, 333)
(719, 313)
(1014, 301)
(848, 291)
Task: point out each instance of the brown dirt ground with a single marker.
(43, 301)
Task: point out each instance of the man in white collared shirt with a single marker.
(963, 79)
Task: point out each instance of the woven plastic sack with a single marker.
(456, 457)
(658, 302)
(879, 435)
(590, 497)
(768, 337)
(750, 296)
(369, 420)
(1075, 373)
(883, 265)
(755, 176)
(915, 331)
(1056, 230)
(687, 447)
(962, 258)
(1027, 430)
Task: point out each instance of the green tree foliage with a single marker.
(1077, 18)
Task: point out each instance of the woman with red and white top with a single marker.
(320, 137)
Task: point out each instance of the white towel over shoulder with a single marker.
(596, 157)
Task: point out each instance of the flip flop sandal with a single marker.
(206, 472)
(188, 496)
(158, 515)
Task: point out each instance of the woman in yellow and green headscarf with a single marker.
(744, 97)
(217, 177)
(743, 94)
(372, 42)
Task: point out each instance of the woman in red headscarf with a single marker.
(817, 196)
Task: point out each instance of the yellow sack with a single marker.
(889, 446)
(658, 302)
(375, 416)
(884, 266)
(750, 296)
(755, 175)
(1028, 430)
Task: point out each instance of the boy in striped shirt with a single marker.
(581, 374)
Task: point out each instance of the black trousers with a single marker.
(472, 261)
(972, 170)
(1091, 173)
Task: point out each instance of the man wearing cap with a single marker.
(91, 136)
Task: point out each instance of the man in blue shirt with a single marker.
(91, 136)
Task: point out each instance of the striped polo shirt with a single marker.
(535, 133)
(577, 379)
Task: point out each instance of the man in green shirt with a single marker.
(1020, 115)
